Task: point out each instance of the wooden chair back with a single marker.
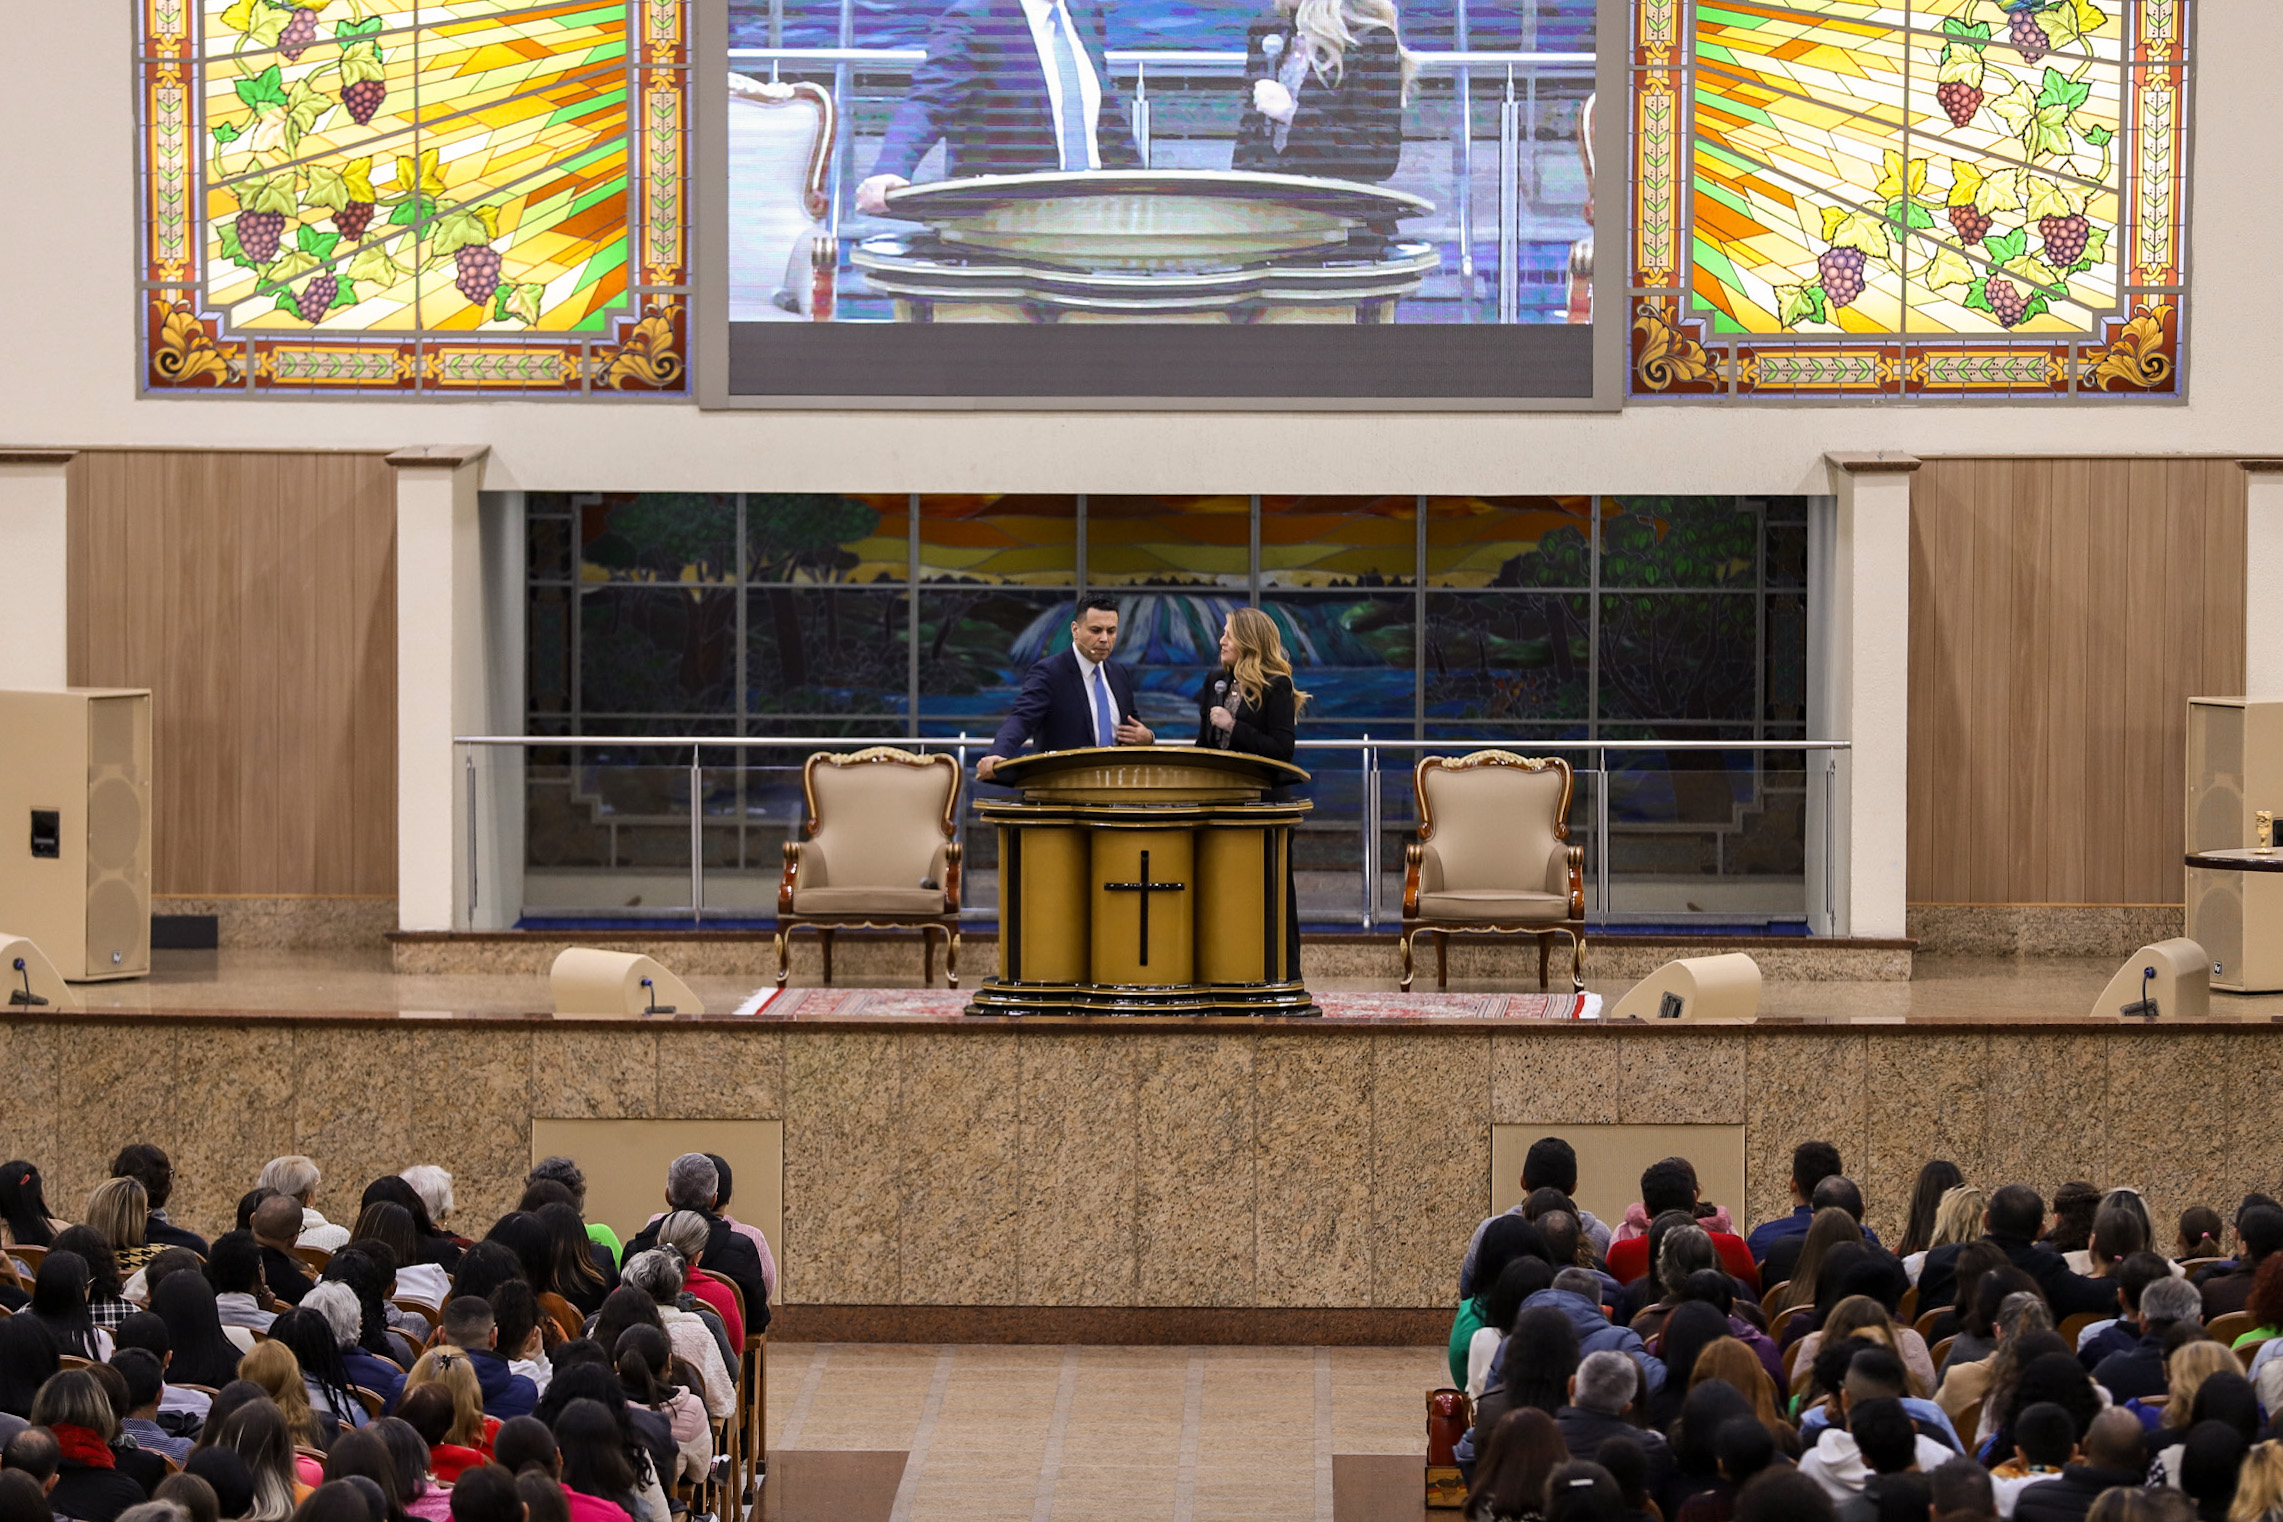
(1774, 1297)
(564, 1314)
(2231, 1326)
(1907, 1311)
(1926, 1324)
(313, 1257)
(2073, 1327)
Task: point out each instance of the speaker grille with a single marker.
(2215, 919)
(114, 826)
(111, 733)
(116, 926)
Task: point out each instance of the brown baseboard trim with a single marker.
(1117, 1326)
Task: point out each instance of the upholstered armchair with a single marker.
(1493, 858)
(780, 141)
(879, 853)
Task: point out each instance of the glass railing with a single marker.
(603, 828)
(1491, 138)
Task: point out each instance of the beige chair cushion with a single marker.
(879, 838)
(867, 901)
(1494, 828)
(1492, 904)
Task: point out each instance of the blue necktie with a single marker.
(1104, 732)
(1076, 133)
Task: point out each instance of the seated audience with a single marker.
(1778, 1494)
(2192, 1364)
(1873, 1372)
(1830, 1228)
(315, 1339)
(59, 1303)
(1694, 1436)
(1691, 1329)
(579, 1268)
(1583, 1492)
(229, 1477)
(198, 1501)
(366, 1268)
(456, 1439)
(1522, 1452)
(145, 1381)
(422, 1497)
(1957, 1219)
(2211, 1459)
(2199, 1234)
(145, 1467)
(524, 1332)
(1812, 1163)
(182, 1410)
(297, 1177)
(2120, 1228)
(272, 1366)
(1964, 1385)
(25, 1219)
(693, 1182)
(1671, 1185)
(658, 1274)
(29, 1358)
(2217, 1395)
(437, 1245)
(2121, 1332)
(1521, 1279)
(1533, 1368)
(2074, 1206)
(1681, 1248)
(2048, 1375)
(204, 1354)
(119, 1213)
(2044, 1441)
(24, 1499)
(415, 1278)
(1576, 1293)
(1551, 1163)
(1605, 1388)
(566, 1171)
(1742, 1450)
(588, 1417)
(149, 1166)
(646, 1373)
(90, 1486)
(1855, 1315)
(1936, 1178)
(1877, 1438)
(241, 1292)
(2226, 1287)
(469, 1326)
(687, 1232)
(2139, 1370)
(1836, 1192)
(276, 1220)
(487, 1494)
(2015, 1216)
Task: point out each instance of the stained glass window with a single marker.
(1911, 198)
(382, 196)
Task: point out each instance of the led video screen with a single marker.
(1098, 200)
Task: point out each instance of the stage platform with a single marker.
(1303, 1182)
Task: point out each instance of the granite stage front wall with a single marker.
(1281, 1165)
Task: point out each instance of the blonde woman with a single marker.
(1250, 705)
(2259, 1486)
(119, 1211)
(449, 1367)
(273, 1366)
(1957, 1218)
(1325, 82)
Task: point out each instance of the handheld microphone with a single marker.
(1220, 700)
(1271, 48)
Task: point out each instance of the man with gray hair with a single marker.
(1601, 1392)
(2139, 1371)
(298, 1176)
(693, 1184)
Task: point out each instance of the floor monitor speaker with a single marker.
(2170, 978)
(75, 828)
(1725, 987)
(618, 983)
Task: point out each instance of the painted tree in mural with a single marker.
(1962, 226)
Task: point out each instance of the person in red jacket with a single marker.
(1670, 1184)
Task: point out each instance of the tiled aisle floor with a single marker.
(1038, 1433)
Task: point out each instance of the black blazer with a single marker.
(1051, 711)
(1349, 131)
(1263, 731)
(982, 92)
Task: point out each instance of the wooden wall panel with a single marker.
(255, 595)
(2062, 613)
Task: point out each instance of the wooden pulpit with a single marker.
(1143, 880)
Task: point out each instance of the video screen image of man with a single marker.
(1008, 87)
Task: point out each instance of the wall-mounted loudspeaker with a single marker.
(1725, 987)
(2170, 978)
(75, 828)
(618, 984)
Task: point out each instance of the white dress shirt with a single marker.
(1042, 14)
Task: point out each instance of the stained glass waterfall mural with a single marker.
(389, 196)
(1925, 198)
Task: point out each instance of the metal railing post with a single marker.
(1370, 833)
(1141, 113)
(697, 838)
(1601, 830)
(1509, 203)
(474, 879)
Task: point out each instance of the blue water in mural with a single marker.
(1564, 26)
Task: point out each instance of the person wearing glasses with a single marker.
(1324, 87)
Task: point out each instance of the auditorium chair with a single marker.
(780, 142)
(1493, 858)
(879, 853)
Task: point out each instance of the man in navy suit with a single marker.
(1011, 87)
(1073, 699)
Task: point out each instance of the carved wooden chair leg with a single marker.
(1577, 963)
(951, 959)
(1404, 940)
(1442, 961)
(825, 933)
(784, 954)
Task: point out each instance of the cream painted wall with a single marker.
(2263, 573)
(33, 538)
(66, 110)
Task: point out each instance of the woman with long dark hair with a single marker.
(107, 1303)
(59, 1302)
(25, 1220)
(203, 1352)
(572, 1270)
(386, 1224)
(415, 1484)
(437, 1245)
(1696, 1460)
(645, 1372)
(485, 1266)
(1925, 1201)
(1692, 1327)
(28, 1360)
(308, 1334)
(366, 1455)
(1510, 1478)
(646, 1437)
(363, 1269)
(588, 1434)
(524, 1236)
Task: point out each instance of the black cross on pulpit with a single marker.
(1145, 888)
